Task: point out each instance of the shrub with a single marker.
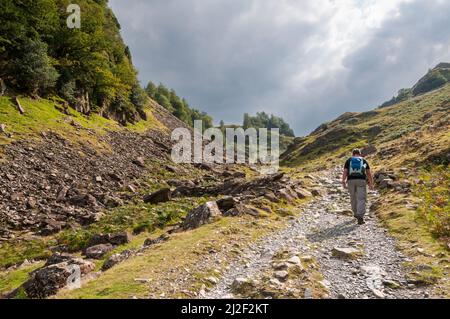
(435, 206)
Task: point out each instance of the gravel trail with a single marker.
(322, 226)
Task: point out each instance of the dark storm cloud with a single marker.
(306, 61)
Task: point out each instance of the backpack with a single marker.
(357, 167)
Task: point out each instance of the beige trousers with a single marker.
(358, 195)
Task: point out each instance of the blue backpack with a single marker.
(357, 167)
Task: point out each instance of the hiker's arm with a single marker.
(344, 178)
(370, 178)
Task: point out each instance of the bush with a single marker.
(435, 206)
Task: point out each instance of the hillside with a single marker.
(90, 68)
(69, 179)
(92, 205)
(87, 191)
(435, 78)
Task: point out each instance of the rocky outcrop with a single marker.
(203, 214)
(98, 251)
(48, 280)
(45, 184)
(117, 258)
(116, 239)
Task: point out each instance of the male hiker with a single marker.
(355, 177)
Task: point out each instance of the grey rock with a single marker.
(203, 214)
(161, 196)
(98, 251)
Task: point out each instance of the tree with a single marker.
(151, 89)
(138, 97)
(163, 90)
(247, 121)
(164, 102)
(263, 120)
(33, 69)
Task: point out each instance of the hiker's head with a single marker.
(356, 152)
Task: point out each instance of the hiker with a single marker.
(355, 177)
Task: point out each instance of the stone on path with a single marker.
(242, 286)
(378, 293)
(281, 274)
(346, 252)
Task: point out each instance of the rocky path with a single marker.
(355, 261)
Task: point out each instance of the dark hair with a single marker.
(356, 151)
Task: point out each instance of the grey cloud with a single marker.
(228, 57)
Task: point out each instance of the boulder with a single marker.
(368, 150)
(295, 260)
(203, 214)
(48, 280)
(241, 209)
(171, 169)
(117, 258)
(243, 286)
(153, 241)
(161, 196)
(117, 239)
(62, 192)
(51, 227)
(84, 200)
(303, 193)
(281, 275)
(227, 203)
(271, 196)
(385, 183)
(286, 195)
(98, 251)
(57, 258)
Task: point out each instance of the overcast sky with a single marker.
(307, 61)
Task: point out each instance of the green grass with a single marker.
(42, 116)
(135, 218)
(16, 251)
(183, 250)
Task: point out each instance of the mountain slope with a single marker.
(408, 147)
(425, 115)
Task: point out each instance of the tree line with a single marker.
(179, 107)
(264, 120)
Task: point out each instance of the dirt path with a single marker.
(322, 226)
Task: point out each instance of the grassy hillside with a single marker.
(411, 141)
(44, 115)
(425, 115)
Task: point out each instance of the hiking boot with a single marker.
(360, 220)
